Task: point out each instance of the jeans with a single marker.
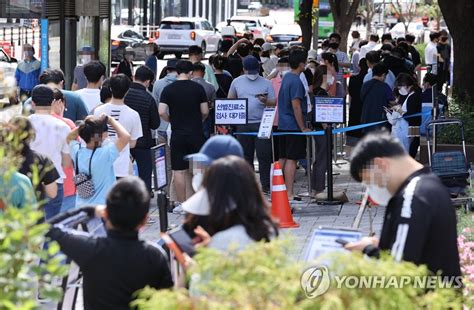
(263, 147)
(145, 165)
(69, 203)
(53, 207)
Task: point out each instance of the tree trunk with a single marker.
(458, 16)
(305, 22)
(344, 14)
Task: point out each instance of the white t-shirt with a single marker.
(228, 31)
(129, 119)
(90, 96)
(50, 139)
(371, 46)
(431, 53)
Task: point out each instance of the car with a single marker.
(415, 28)
(8, 68)
(177, 34)
(286, 34)
(123, 36)
(256, 25)
(254, 6)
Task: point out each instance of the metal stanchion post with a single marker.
(163, 203)
(330, 200)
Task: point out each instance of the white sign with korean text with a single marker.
(231, 111)
(266, 126)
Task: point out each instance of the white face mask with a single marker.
(197, 181)
(330, 80)
(252, 77)
(149, 52)
(379, 195)
(403, 91)
(85, 59)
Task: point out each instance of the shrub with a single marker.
(265, 277)
(463, 110)
(420, 47)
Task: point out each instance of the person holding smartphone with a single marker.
(259, 92)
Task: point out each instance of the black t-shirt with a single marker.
(184, 99)
(47, 173)
(420, 224)
(224, 82)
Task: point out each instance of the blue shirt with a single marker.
(243, 87)
(27, 74)
(102, 170)
(16, 190)
(389, 79)
(291, 89)
(76, 109)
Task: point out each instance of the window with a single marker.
(3, 57)
(177, 25)
(207, 26)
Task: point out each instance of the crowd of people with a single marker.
(85, 142)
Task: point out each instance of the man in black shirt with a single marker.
(116, 266)
(415, 55)
(420, 221)
(140, 100)
(184, 104)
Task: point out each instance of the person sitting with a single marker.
(115, 266)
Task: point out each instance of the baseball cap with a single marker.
(251, 65)
(42, 95)
(267, 47)
(215, 148)
(312, 54)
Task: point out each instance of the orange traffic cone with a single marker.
(280, 204)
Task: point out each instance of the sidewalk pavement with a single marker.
(308, 214)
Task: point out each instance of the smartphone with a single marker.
(183, 240)
(342, 241)
(260, 95)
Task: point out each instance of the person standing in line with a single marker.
(415, 55)
(259, 93)
(50, 141)
(355, 108)
(431, 53)
(126, 65)
(196, 55)
(140, 100)
(356, 58)
(34, 165)
(291, 117)
(95, 74)
(86, 55)
(54, 79)
(152, 50)
(57, 110)
(330, 61)
(269, 60)
(27, 72)
(198, 77)
(224, 80)
(371, 46)
(375, 95)
(127, 117)
(184, 104)
(373, 58)
(96, 158)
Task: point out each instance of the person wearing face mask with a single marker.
(259, 92)
(420, 221)
(342, 58)
(269, 60)
(330, 61)
(431, 53)
(375, 95)
(283, 67)
(126, 65)
(86, 55)
(410, 102)
(27, 72)
(152, 50)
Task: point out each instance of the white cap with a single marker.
(312, 54)
(267, 47)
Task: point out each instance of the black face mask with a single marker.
(334, 46)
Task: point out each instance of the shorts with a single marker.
(182, 145)
(292, 146)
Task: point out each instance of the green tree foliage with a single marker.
(264, 276)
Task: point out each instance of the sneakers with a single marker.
(178, 209)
